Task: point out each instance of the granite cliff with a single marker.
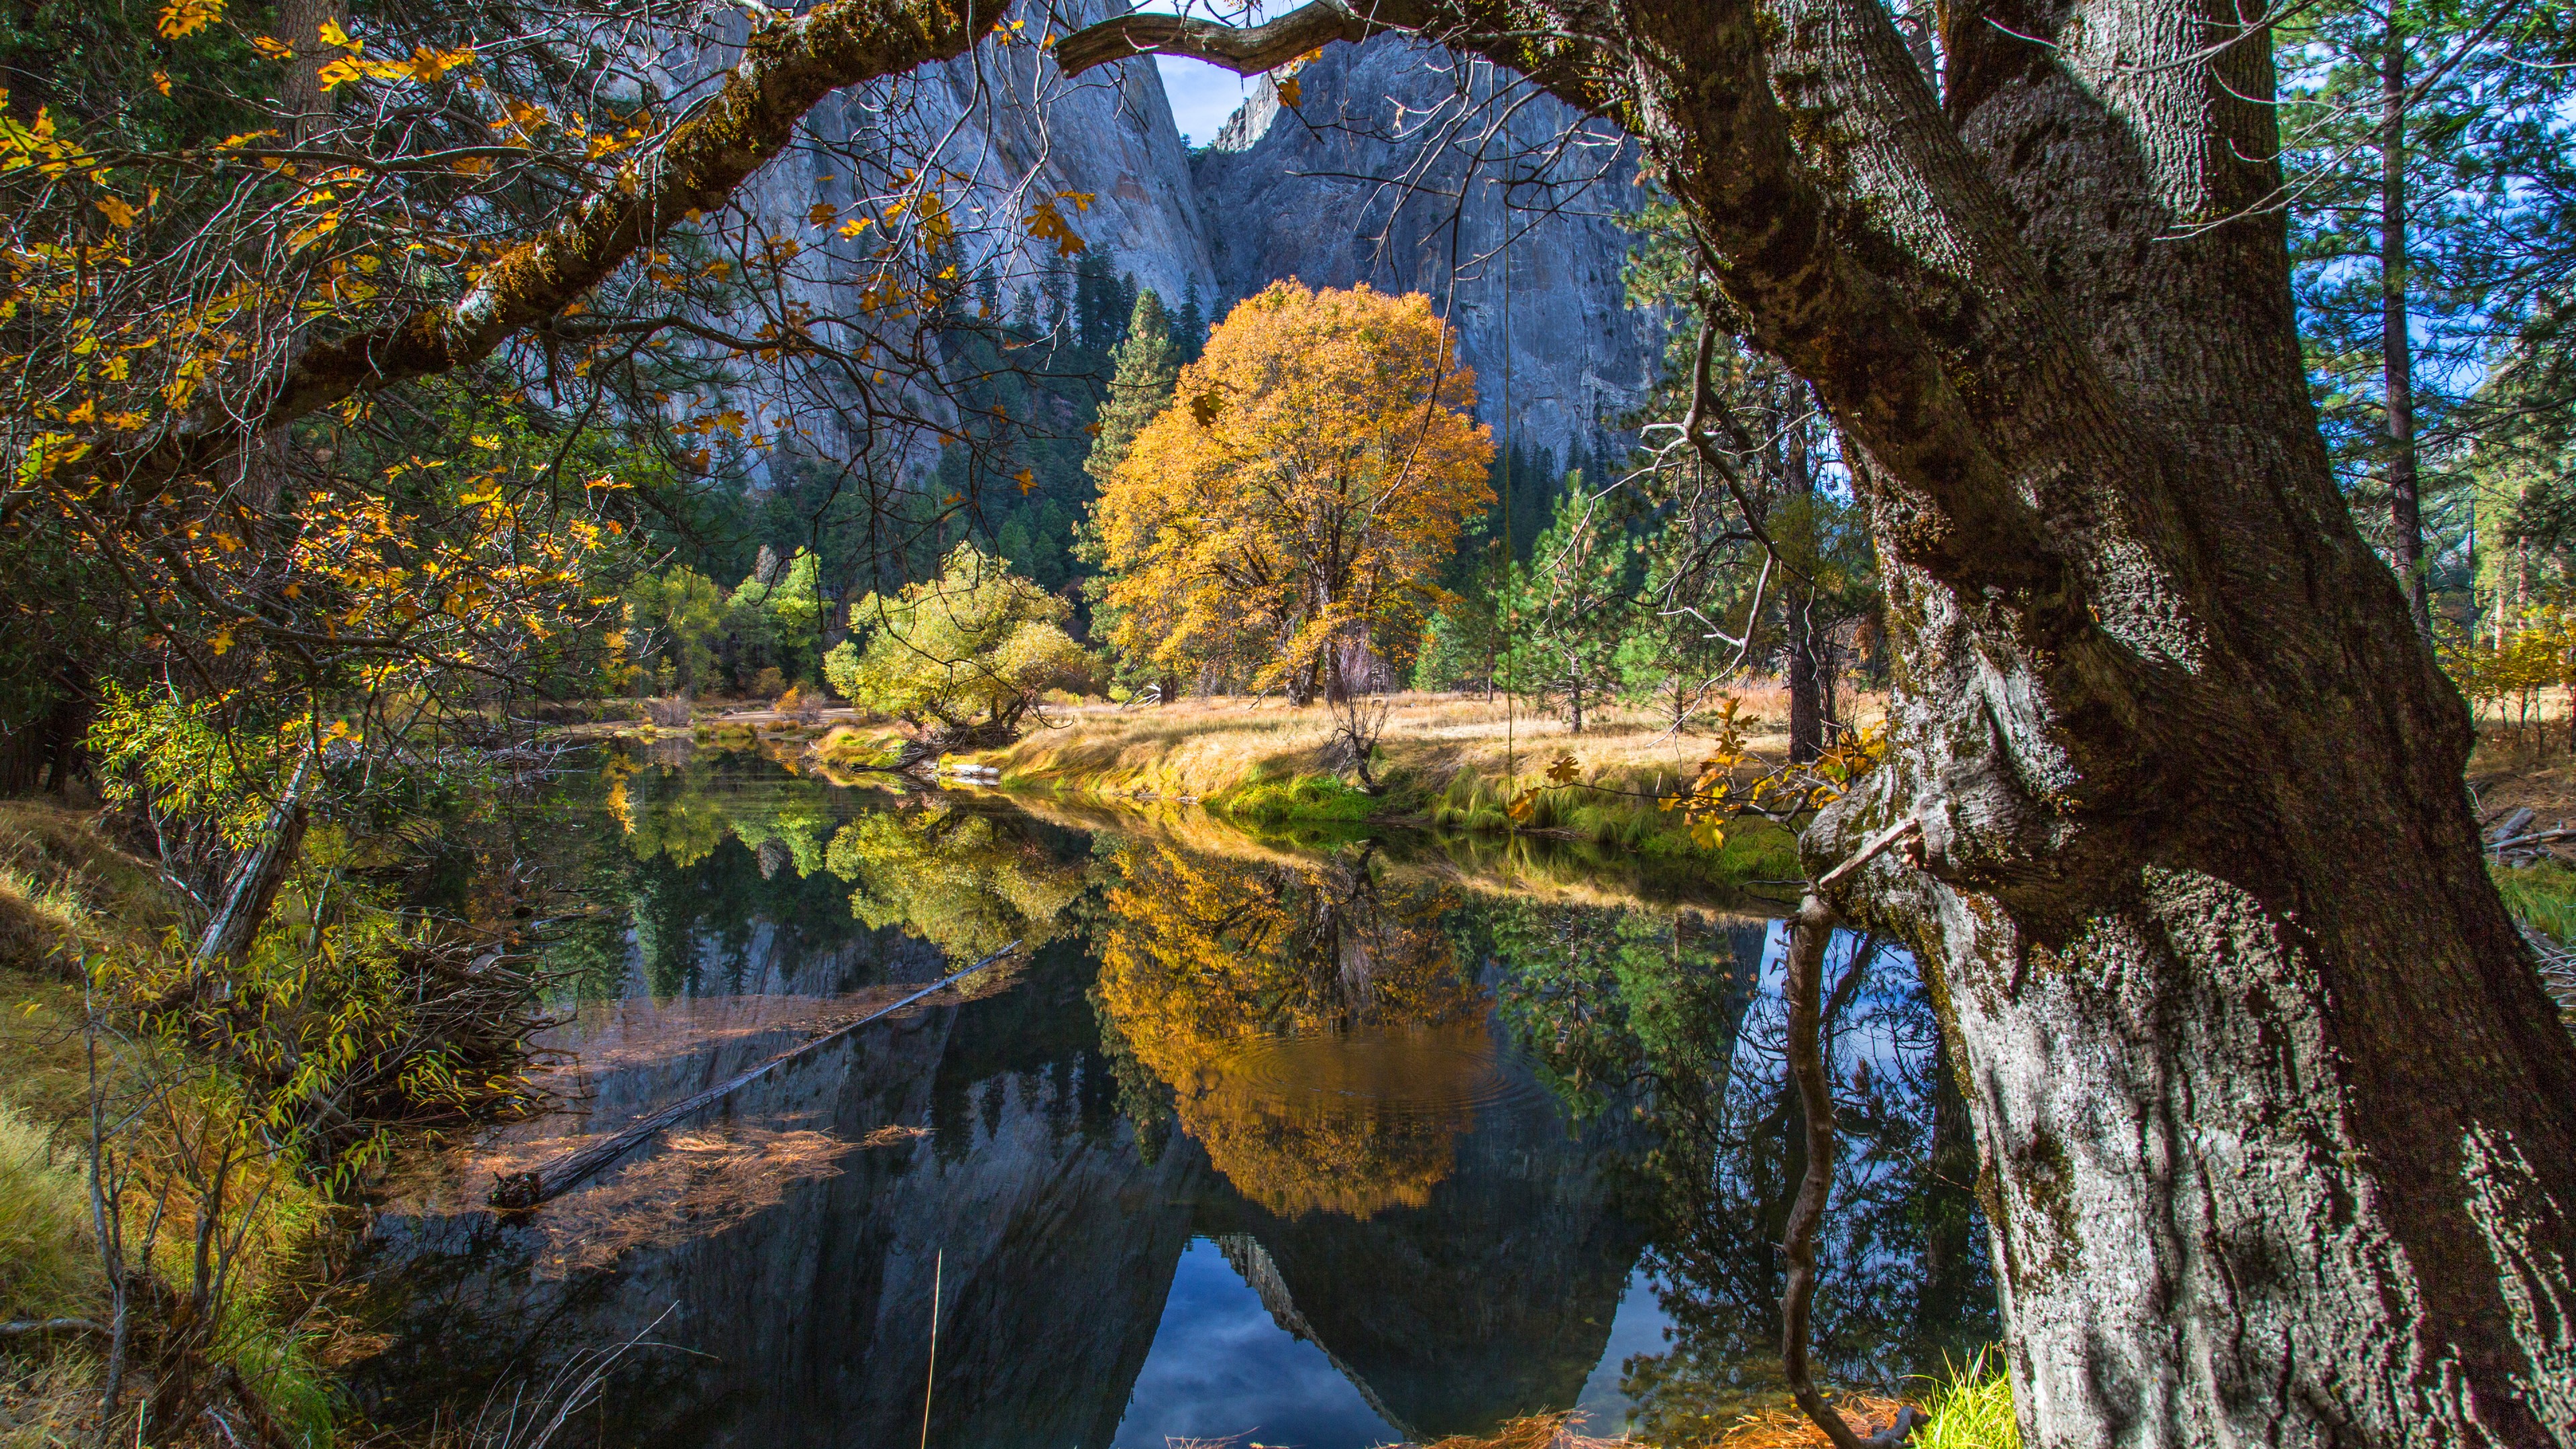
(1399, 166)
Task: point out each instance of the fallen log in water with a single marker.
(520, 1190)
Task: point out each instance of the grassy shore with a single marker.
(1448, 763)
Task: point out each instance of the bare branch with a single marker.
(1245, 50)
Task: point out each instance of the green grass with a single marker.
(2542, 897)
(1303, 797)
(48, 1268)
(1972, 1409)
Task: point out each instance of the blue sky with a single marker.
(1202, 95)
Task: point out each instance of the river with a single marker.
(1328, 1144)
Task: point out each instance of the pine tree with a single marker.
(1144, 367)
(1190, 328)
(1570, 606)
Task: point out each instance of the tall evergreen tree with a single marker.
(1144, 367)
(1190, 327)
(1570, 606)
(2423, 149)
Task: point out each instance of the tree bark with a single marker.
(2396, 342)
(1797, 595)
(2275, 1117)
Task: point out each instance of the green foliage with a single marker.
(771, 620)
(973, 649)
(673, 621)
(1569, 607)
(966, 883)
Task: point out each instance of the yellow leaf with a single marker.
(1564, 770)
(472, 165)
(428, 65)
(161, 81)
(187, 17)
(333, 35)
(1290, 92)
(117, 211)
(856, 224)
(1028, 482)
(822, 214)
(340, 72)
(272, 47)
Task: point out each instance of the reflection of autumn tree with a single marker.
(966, 883)
(1309, 1020)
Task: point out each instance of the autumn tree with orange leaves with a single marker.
(1285, 516)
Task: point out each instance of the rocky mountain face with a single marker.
(1409, 170)
(1399, 166)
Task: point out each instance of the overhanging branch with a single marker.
(1245, 50)
(786, 69)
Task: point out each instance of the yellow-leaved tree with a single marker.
(1291, 510)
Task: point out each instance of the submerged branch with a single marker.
(530, 1189)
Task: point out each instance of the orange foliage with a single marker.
(1315, 1029)
(1306, 485)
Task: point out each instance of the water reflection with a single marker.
(1325, 1148)
(1681, 1020)
(1307, 1022)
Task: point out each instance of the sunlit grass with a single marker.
(1972, 1408)
(48, 1268)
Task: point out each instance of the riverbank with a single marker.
(1448, 763)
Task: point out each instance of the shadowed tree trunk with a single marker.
(2276, 1120)
(1806, 701)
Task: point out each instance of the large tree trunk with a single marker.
(2277, 1125)
(2274, 1116)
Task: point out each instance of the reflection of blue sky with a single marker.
(1220, 1366)
(1639, 1327)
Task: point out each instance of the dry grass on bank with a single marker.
(1202, 748)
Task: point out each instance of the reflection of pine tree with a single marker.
(1661, 1012)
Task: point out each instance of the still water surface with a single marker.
(1316, 1146)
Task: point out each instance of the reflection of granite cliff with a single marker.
(805, 1322)
(1491, 1300)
